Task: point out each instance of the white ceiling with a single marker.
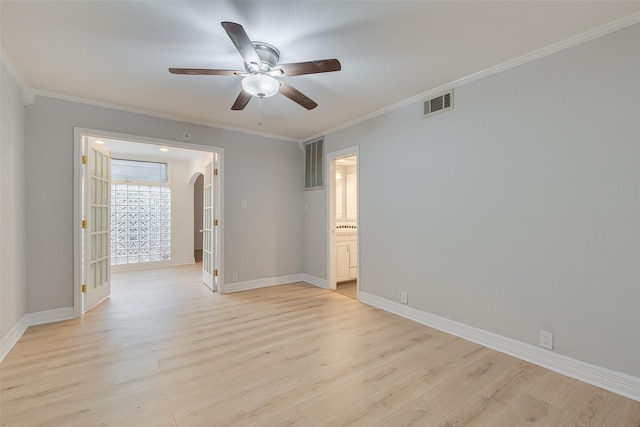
(118, 52)
(123, 149)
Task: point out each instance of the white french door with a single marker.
(96, 272)
(210, 235)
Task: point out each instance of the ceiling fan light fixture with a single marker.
(260, 85)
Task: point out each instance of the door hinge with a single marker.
(215, 171)
(84, 223)
(84, 159)
(215, 273)
(215, 222)
(84, 288)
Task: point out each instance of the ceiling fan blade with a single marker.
(241, 101)
(204, 71)
(296, 96)
(242, 42)
(310, 67)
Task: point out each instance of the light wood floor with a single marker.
(164, 351)
(349, 289)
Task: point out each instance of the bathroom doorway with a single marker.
(343, 222)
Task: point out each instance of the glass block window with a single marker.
(140, 223)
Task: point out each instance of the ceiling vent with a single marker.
(438, 104)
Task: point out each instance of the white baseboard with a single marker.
(31, 319)
(274, 281)
(155, 264)
(12, 337)
(49, 316)
(623, 384)
(261, 283)
(316, 281)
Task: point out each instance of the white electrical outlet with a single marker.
(243, 204)
(546, 339)
(234, 277)
(404, 298)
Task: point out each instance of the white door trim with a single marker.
(331, 219)
(78, 133)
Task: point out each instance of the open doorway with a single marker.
(151, 211)
(343, 222)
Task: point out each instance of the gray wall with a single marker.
(13, 287)
(315, 233)
(261, 241)
(517, 211)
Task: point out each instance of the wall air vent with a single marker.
(438, 104)
(313, 164)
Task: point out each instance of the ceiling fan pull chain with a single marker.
(260, 113)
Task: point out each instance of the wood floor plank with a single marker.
(557, 389)
(289, 417)
(529, 411)
(460, 387)
(435, 364)
(359, 387)
(166, 351)
(496, 398)
(388, 399)
(165, 420)
(618, 411)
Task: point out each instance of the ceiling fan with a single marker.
(262, 68)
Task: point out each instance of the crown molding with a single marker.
(156, 114)
(28, 95)
(614, 26)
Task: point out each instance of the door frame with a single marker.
(78, 134)
(331, 209)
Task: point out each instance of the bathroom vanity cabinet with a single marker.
(346, 256)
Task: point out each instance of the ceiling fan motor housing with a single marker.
(268, 54)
